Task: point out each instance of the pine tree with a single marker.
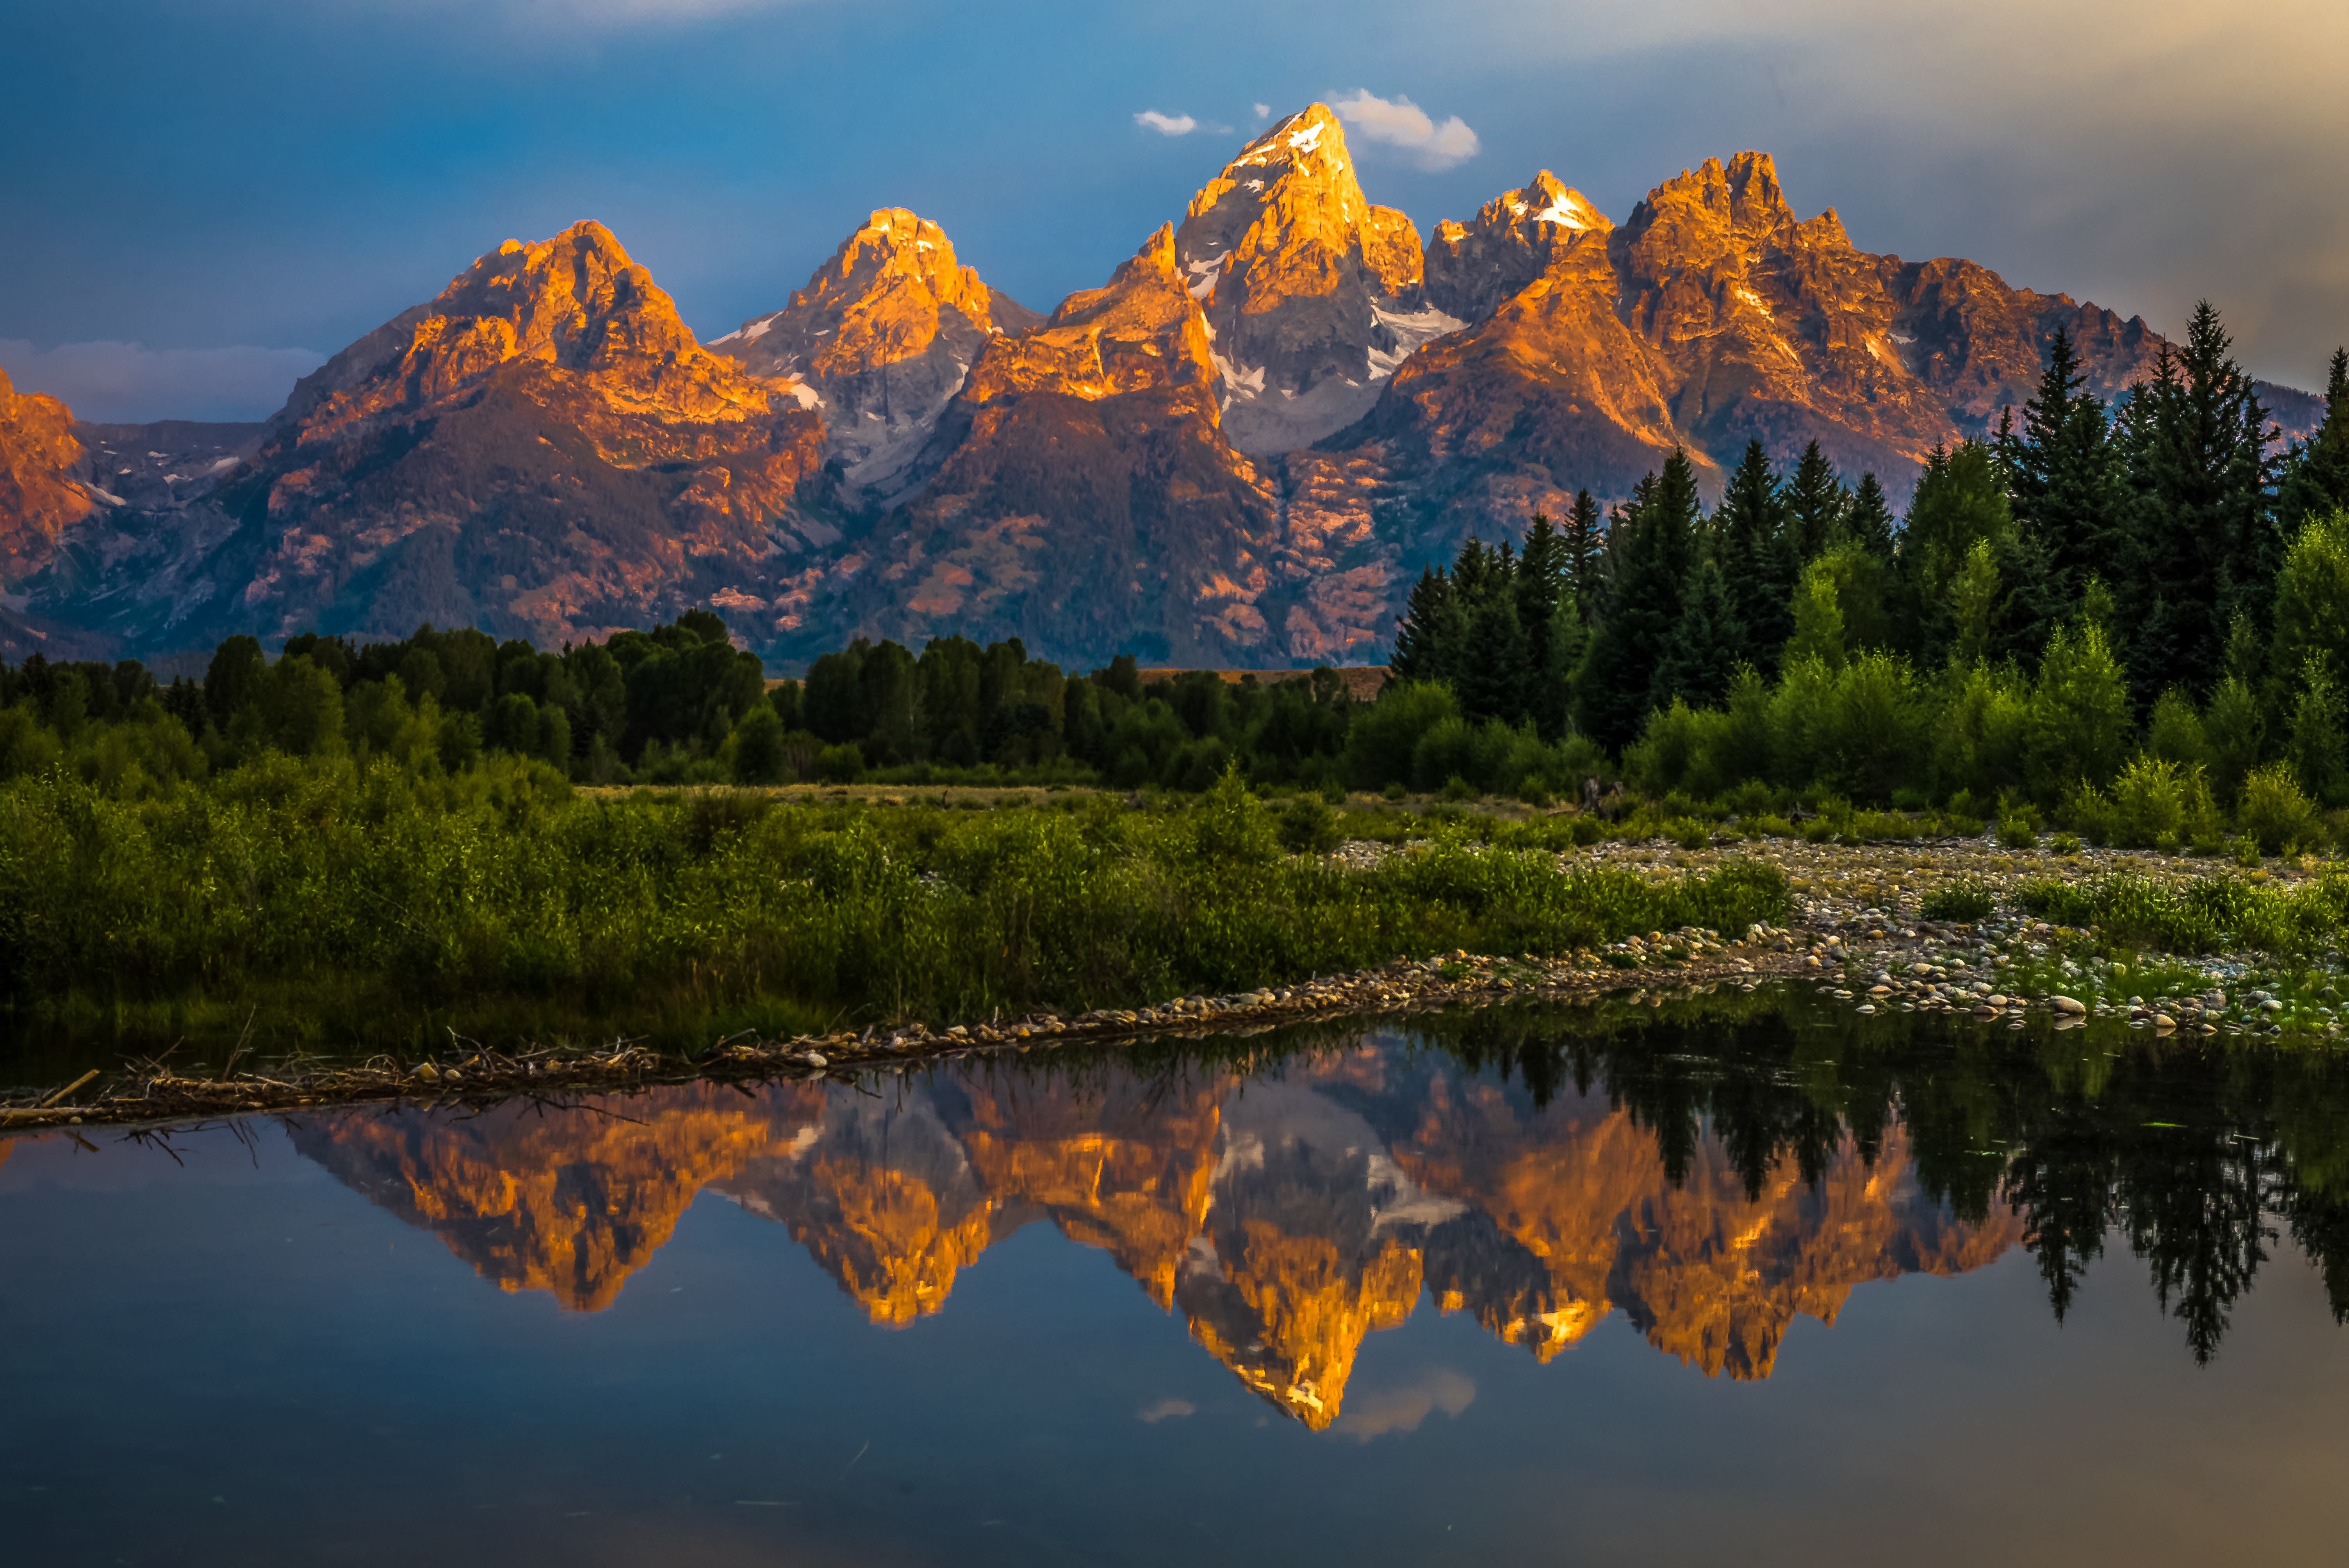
(1427, 632)
(2203, 542)
(1541, 587)
(1816, 503)
(1758, 560)
(2316, 477)
(1490, 678)
(1869, 523)
(2065, 476)
(1706, 644)
(1579, 545)
(1653, 542)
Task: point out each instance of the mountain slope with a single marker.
(542, 451)
(884, 332)
(1312, 296)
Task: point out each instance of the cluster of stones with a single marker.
(1695, 954)
(2011, 971)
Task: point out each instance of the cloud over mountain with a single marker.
(1399, 122)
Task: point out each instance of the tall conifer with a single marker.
(1759, 561)
(1657, 532)
(2064, 476)
(2316, 478)
(1815, 503)
(2204, 543)
(1580, 543)
(1869, 522)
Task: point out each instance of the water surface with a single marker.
(1718, 1282)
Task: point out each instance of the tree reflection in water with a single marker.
(1711, 1168)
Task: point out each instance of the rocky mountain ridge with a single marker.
(1239, 451)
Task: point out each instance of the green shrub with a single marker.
(2274, 814)
(1965, 899)
(1394, 790)
(2064, 844)
(1691, 834)
(1459, 788)
(1308, 826)
(2015, 832)
(842, 764)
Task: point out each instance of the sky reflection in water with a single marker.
(1628, 1287)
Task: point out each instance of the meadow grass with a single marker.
(347, 902)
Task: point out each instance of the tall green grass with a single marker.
(373, 888)
(2207, 914)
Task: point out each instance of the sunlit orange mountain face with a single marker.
(1239, 449)
(1284, 1218)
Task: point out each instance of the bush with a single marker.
(2274, 814)
(1965, 899)
(2064, 844)
(1691, 834)
(1394, 791)
(1385, 736)
(2015, 832)
(1308, 826)
(842, 764)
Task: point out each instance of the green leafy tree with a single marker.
(2316, 753)
(2080, 712)
(1817, 614)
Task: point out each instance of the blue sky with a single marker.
(238, 186)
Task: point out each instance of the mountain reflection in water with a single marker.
(1712, 1179)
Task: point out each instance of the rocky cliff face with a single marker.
(1311, 294)
(884, 332)
(38, 501)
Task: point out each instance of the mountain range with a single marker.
(1239, 451)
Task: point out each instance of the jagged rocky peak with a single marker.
(884, 332)
(1312, 292)
(38, 501)
(1143, 330)
(576, 302)
(1472, 267)
(1703, 214)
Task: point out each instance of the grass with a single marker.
(2207, 914)
(338, 903)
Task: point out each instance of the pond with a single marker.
(1731, 1279)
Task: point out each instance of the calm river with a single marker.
(1719, 1283)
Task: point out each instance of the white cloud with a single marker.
(1399, 122)
(131, 384)
(1167, 124)
(1165, 1410)
(1264, 111)
(1403, 1409)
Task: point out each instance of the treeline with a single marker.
(2148, 601)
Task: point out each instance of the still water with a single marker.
(1726, 1281)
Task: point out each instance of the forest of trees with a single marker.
(2148, 601)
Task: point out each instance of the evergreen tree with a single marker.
(2065, 476)
(1429, 632)
(1961, 500)
(2316, 476)
(1541, 588)
(1758, 561)
(1816, 503)
(1490, 676)
(1653, 541)
(1707, 644)
(1579, 545)
(2203, 542)
(1868, 524)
